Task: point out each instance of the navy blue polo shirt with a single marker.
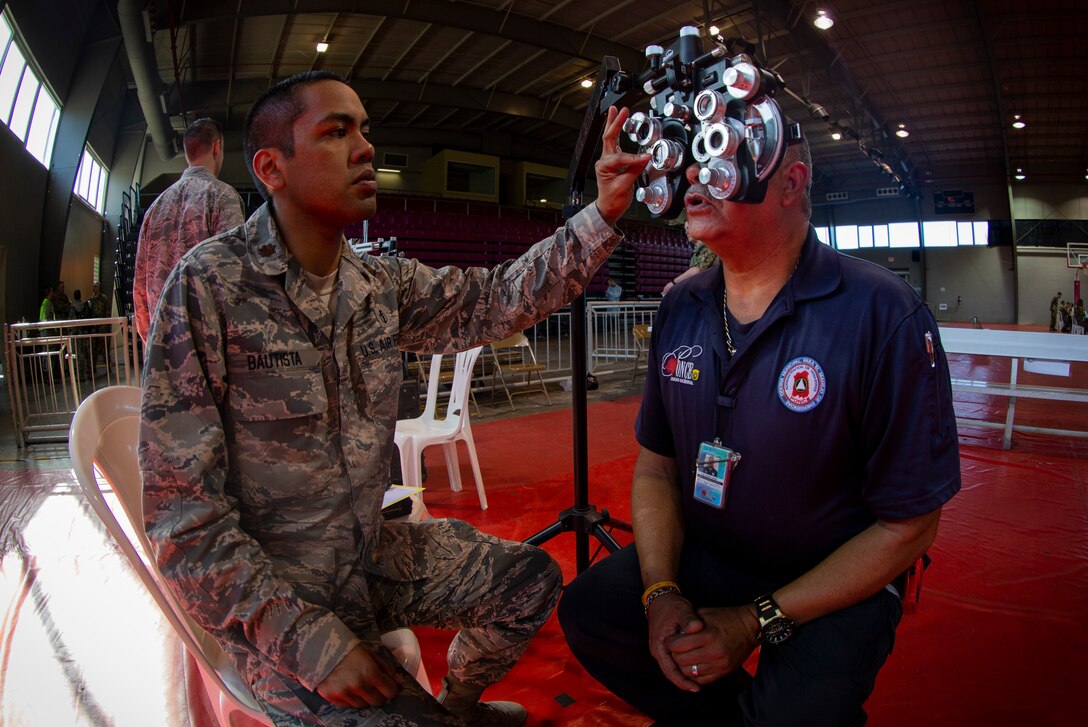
(831, 400)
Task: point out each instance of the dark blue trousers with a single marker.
(821, 676)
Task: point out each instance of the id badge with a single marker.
(713, 467)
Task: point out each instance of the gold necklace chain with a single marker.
(729, 347)
(725, 322)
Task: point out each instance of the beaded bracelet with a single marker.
(658, 593)
(654, 587)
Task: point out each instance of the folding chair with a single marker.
(641, 336)
(104, 436)
(521, 364)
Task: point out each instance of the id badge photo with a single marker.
(713, 468)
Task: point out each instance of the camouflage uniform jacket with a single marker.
(265, 444)
(703, 257)
(191, 210)
(99, 305)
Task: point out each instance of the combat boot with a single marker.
(464, 701)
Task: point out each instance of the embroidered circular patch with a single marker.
(802, 385)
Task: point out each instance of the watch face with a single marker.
(777, 630)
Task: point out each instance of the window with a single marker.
(91, 181)
(940, 234)
(903, 234)
(880, 236)
(822, 235)
(846, 237)
(865, 236)
(27, 107)
(966, 232)
(982, 233)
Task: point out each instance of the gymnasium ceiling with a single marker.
(488, 74)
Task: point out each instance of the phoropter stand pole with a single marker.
(583, 519)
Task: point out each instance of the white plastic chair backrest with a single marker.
(433, 380)
(462, 380)
(105, 432)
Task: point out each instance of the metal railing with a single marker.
(611, 344)
(52, 366)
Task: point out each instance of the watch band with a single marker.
(774, 626)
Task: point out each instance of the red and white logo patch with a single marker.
(802, 385)
(679, 367)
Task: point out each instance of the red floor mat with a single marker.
(999, 638)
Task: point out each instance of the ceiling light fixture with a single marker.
(1017, 122)
(823, 21)
(543, 201)
(714, 30)
(1020, 176)
(388, 170)
(902, 132)
(322, 46)
(836, 135)
(587, 83)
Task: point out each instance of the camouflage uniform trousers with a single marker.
(497, 592)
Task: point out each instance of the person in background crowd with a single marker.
(98, 306)
(270, 400)
(1055, 303)
(78, 305)
(1065, 313)
(45, 310)
(191, 210)
(702, 258)
(62, 305)
(98, 303)
(80, 309)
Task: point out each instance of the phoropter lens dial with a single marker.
(667, 155)
(710, 106)
(642, 129)
(657, 196)
(721, 178)
(721, 140)
(742, 81)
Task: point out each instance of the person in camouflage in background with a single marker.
(99, 303)
(270, 401)
(189, 211)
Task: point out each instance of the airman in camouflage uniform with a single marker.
(189, 211)
(266, 439)
(98, 302)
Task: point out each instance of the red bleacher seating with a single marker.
(448, 232)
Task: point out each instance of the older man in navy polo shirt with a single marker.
(797, 444)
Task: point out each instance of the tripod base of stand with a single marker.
(583, 522)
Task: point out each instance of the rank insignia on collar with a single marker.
(266, 250)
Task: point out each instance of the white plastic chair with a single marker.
(414, 435)
(104, 436)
